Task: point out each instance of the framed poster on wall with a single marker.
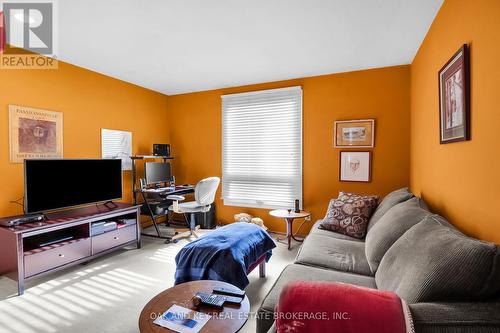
(34, 133)
(454, 94)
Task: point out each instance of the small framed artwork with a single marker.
(454, 109)
(355, 166)
(354, 133)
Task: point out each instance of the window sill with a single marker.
(249, 205)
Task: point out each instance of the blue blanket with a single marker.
(224, 255)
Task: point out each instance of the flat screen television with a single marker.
(51, 184)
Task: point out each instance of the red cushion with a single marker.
(337, 307)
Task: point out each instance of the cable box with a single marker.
(22, 219)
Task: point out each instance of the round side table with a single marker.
(289, 217)
(229, 319)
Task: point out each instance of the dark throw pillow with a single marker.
(433, 262)
(349, 214)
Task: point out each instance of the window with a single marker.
(262, 148)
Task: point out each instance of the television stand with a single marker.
(65, 239)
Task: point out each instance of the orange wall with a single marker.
(383, 94)
(89, 102)
(460, 180)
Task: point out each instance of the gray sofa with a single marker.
(450, 281)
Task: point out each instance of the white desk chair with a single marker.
(204, 195)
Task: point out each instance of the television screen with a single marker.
(54, 184)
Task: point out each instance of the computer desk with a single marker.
(162, 192)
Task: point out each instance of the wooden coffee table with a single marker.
(289, 217)
(228, 320)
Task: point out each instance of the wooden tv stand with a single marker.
(23, 258)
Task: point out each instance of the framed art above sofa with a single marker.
(354, 133)
(454, 95)
(355, 166)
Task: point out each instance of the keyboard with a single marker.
(159, 189)
(168, 189)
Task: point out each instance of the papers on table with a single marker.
(182, 320)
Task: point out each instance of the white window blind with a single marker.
(262, 148)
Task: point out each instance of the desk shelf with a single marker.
(149, 157)
(179, 190)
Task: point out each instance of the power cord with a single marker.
(16, 202)
(300, 226)
(97, 207)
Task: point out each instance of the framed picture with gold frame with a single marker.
(354, 133)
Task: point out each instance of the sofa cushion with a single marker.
(296, 272)
(349, 214)
(390, 200)
(457, 317)
(391, 226)
(333, 253)
(317, 230)
(433, 262)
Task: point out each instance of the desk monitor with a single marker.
(157, 172)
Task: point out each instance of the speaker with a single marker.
(297, 206)
(160, 149)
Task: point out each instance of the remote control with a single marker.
(211, 299)
(229, 292)
(232, 299)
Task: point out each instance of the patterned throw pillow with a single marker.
(349, 214)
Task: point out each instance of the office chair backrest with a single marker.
(204, 192)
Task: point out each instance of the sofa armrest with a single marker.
(456, 317)
(176, 197)
(476, 317)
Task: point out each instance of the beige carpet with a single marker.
(108, 294)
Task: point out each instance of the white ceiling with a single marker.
(180, 46)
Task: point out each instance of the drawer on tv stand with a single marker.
(114, 238)
(49, 257)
